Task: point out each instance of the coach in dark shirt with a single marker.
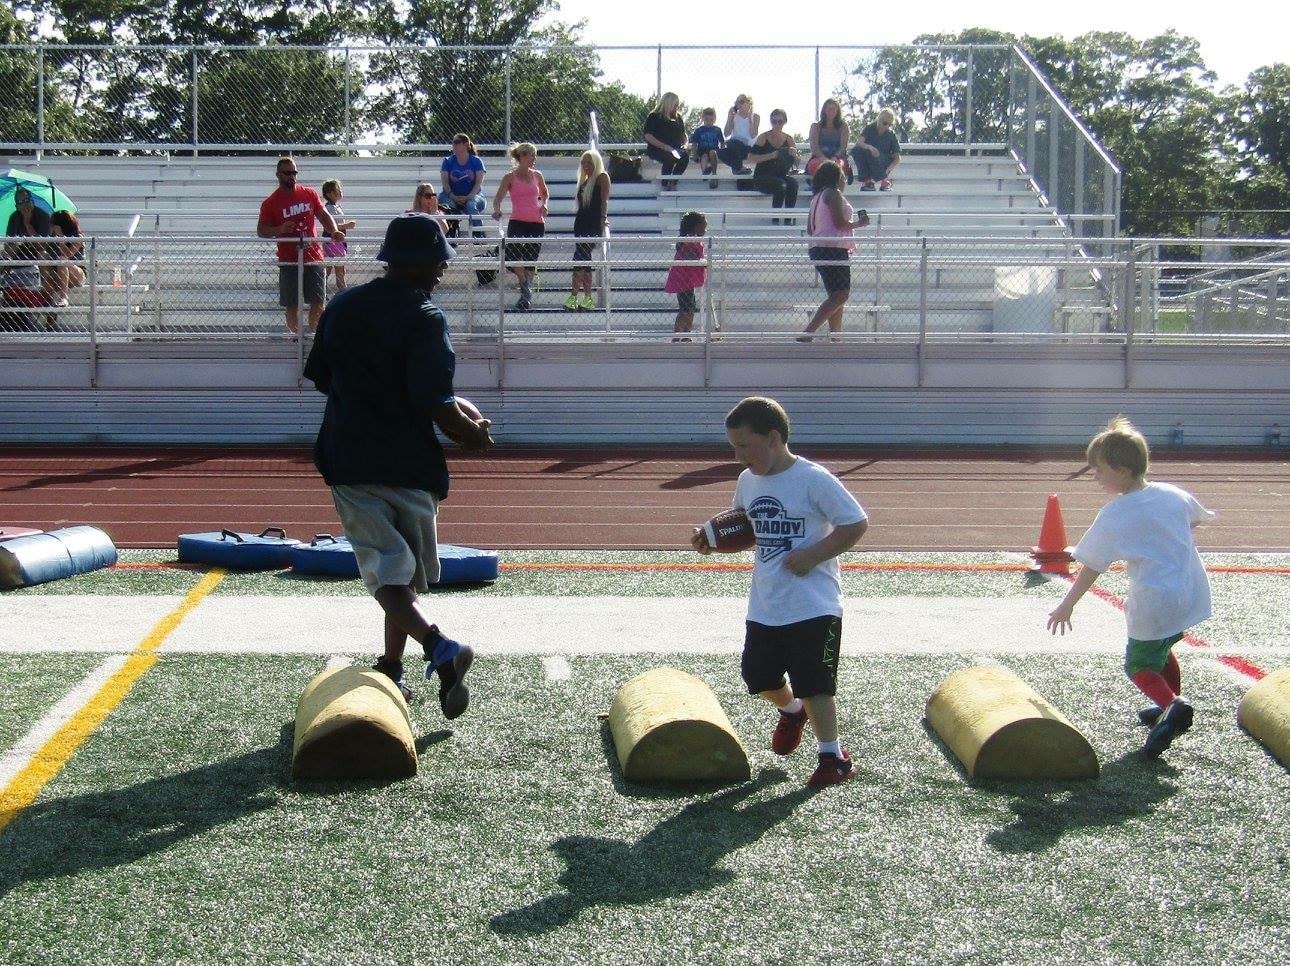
(383, 357)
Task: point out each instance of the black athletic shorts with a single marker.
(806, 651)
(836, 278)
(527, 251)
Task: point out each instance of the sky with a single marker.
(1233, 41)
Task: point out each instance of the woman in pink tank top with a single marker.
(830, 224)
(529, 197)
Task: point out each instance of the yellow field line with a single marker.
(55, 753)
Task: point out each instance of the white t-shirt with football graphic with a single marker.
(794, 508)
(1150, 530)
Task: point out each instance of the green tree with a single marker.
(1259, 119)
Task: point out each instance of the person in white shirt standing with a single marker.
(803, 518)
(1149, 527)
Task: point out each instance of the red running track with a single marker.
(621, 498)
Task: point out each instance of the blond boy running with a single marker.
(1149, 527)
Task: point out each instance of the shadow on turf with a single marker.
(679, 856)
(101, 830)
(1129, 787)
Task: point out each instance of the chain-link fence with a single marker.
(67, 97)
(762, 288)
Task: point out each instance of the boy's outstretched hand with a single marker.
(1059, 619)
(699, 541)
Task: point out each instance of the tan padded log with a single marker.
(999, 727)
(1265, 713)
(352, 723)
(669, 726)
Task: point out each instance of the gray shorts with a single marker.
(315, 292)
(393, 531)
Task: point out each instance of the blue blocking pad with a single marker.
(325, 556)
(466, 565)
(268, 550)
(42, 557)
(334, 557)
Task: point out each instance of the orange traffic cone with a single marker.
(1052, 556)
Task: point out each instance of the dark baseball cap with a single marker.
(414, 239)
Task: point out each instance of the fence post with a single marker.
(92, 276)
(40, 102)
(967, 121)
(193, 96)
(1012, 97)
(501, 312)
(922, 311)
(817, 84)
(346, 133)
(302, 314)
(1077, 208)
(507, 74)
(1030, 123)
(658, 74)
(1130, 280)
(1111, 185)
(1054, 161)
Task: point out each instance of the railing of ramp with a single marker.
(1071, 169)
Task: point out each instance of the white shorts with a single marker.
(393, 531)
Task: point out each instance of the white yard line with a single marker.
(543, 626)
(17, 757)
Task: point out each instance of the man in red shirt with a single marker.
(289, 213)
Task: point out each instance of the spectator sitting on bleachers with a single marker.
(829, 139)
(706, 140)
(775, 157)
(877, 152)
(462, 174)
(426, 201)
(742, 127)
(22, 283)
(665, 140)
(56, 280)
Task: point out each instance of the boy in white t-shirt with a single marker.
(1149, 527)
(803, 518)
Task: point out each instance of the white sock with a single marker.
(793, 707)
(833, 747)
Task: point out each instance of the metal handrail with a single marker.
(1057, 99)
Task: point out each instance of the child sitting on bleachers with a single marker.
(705, 141)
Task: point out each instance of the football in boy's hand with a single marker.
(471, 412)
(729, 532)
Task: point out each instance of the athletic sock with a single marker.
(833, 747)
(1155, 687)
(793, 707)
(1172, 674)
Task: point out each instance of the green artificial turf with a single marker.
(32, 684)
(175, 834)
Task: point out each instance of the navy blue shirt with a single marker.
(383, 357)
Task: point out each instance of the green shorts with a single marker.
(1148, 655)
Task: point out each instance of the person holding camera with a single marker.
(665, 139)
(775, 158)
